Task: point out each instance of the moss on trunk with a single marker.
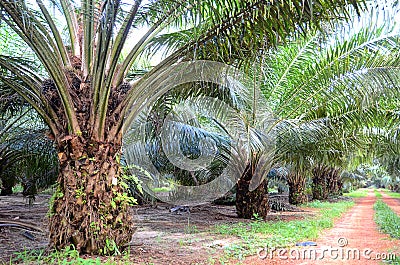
(90, 209)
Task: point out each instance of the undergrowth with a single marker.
(377, 194)
(69, 256)
(357, 193)
(387, 220)
(393, 194)
(267, 234)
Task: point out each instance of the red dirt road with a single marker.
(354, 239)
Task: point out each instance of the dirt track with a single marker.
(354, 239)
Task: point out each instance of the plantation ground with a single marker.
(163, 237)
(355, 230)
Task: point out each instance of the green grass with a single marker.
(17, 188)
(387, 220)
(357, 193)
(260, 234)
(396, 261)
(377, 194)
(393, 194)
(162, 189)
(67, 257)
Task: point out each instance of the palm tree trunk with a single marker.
(251, 203)
(297, 188)
(90, 209)
(7, 183)
(334, 182)
(326, 181)
(320, 185)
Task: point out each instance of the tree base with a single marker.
(251, 204)
(297, 188)
(91, 209)
(6, 192)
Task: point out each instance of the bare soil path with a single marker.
(354, 239)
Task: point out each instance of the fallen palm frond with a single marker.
(21, 225)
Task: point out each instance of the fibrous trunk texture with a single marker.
(326, 181)
(319, 185)
(90, 209)
(334, 182)
(250, 204)
(7, 184)
(297, 188)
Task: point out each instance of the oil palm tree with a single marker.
(384, 149)
(9, 157)
(27, 156)
(326, 93)
(85, 94)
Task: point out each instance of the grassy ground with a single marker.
(66, 257)
(377, 194)
(388, 222)
(357, 193)
(393, 194)
(260, 234)
(251, 236)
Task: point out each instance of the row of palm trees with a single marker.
(27, 155)
(325, 93)
(328, 94)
